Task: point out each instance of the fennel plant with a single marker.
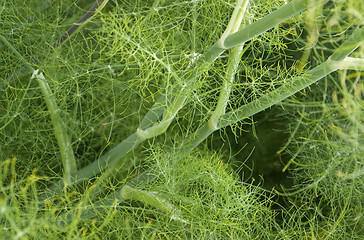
(201, 119)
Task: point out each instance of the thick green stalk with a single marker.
(291, 87)
(260, 104)
(118, 152)
(354, 41)
(235, 20)
(152, 199)
(199, 66)
(352, 64)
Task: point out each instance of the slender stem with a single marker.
(114, 156)
(168, 116)
(312, 26)
(63, 140)
(235, 20)
(200, 66)
(152, 199)
(98, 6)
(233, 63)
(276, 96)
(17, 54)
(128, 192)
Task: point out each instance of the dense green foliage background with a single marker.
(293, 171)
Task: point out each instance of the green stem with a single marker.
(233, 63)
(128, 192)
(312, 26)
(235, 20)
(352, 64)
(200, 65)
(17, 54)
(63, 140)
(354, 41)
(276, 96)
(152, 199)
(114, 156)
(291, 87)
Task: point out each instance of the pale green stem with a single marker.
(206, 60)
(288, 89)
(168, 117)
(348, 47)
(63, 140)
(233, 63)
(128, 192)
(235, 21)
(259, 105)
(152, 199)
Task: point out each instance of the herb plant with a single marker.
(200, 119)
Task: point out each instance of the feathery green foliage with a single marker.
(197, 119)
